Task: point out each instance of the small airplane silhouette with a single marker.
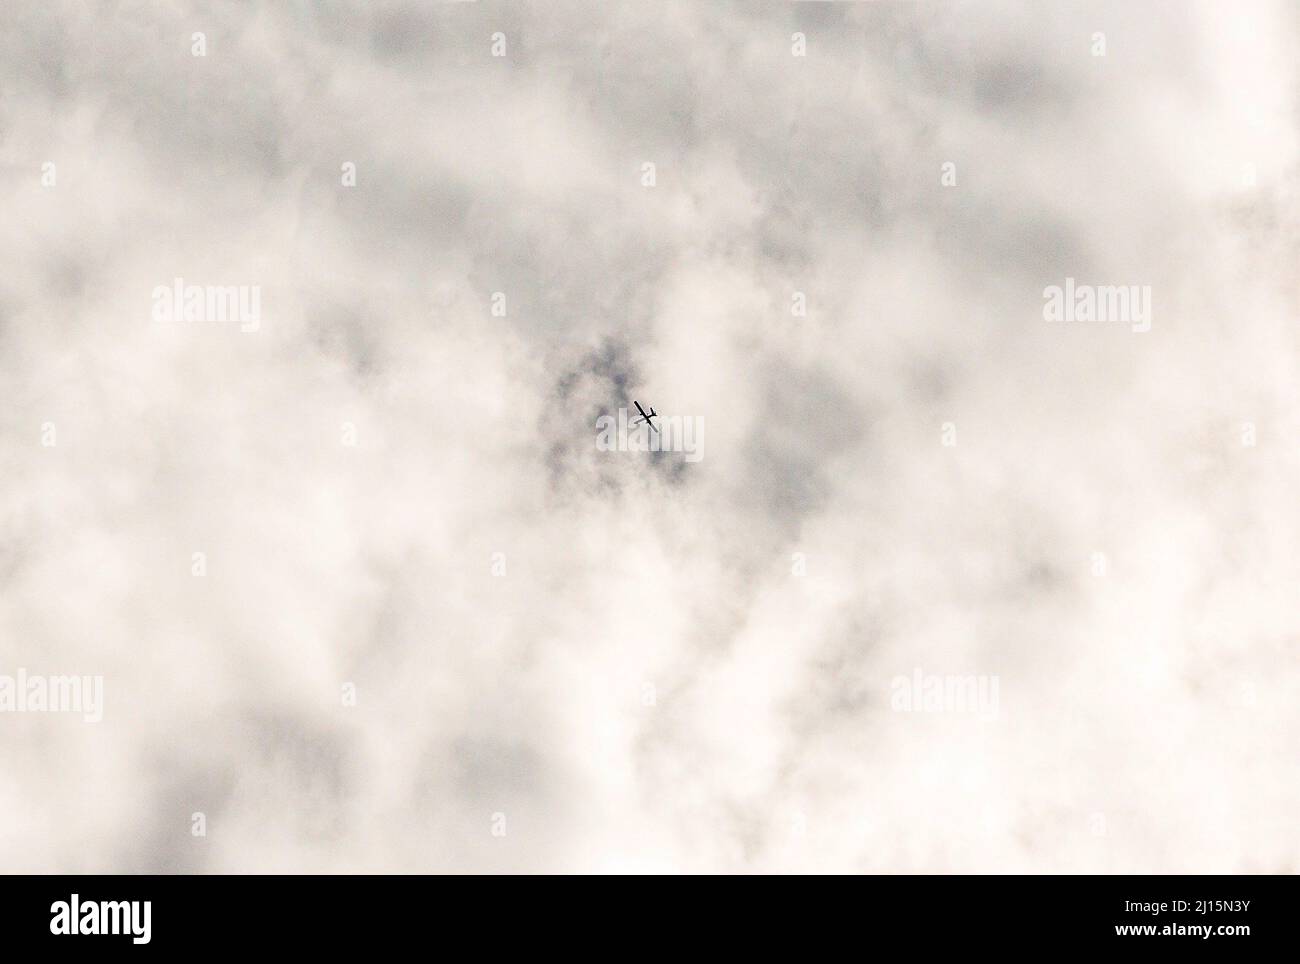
(646, 416)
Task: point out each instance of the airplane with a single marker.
(644, 415)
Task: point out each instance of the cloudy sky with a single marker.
(365, 593)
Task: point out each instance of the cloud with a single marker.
(640, 662)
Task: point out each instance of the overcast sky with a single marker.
(672, 665)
